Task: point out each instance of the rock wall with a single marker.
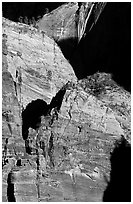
(69, 20)
(84, 120)
(32, 67)
(67, 24)
(35, 61)
(60, 23)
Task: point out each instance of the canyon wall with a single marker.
(83, 120)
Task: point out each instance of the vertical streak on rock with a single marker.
(15, 85)
(4, 53)
(19, 78)
(18, 87)
(38, 167)
(84, 12)
(42, 146)
(56, 101)
(10, 187)
(88, 12)
(5, 153)
(9, 125)
(51, 149)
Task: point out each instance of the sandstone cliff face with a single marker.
(69, 23)
(35, 61)
(85, 118)
(60, 23)
(69, 20)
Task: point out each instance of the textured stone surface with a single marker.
(60, 23)
(91, 116)
(69, 20)
(34, 61)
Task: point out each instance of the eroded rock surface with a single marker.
(34, 61)
(69, 20)
(78, 132)
(69, 23)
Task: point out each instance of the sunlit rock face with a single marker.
(34, 62)
(86, 34)
(92, 116)
(75, 132)
(33, 67)
(60, 23)
(105, 47)
(67, 24)
(69, 20)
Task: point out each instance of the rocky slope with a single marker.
(82, 121)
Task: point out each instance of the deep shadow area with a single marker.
(31, 116)
(68, 47)
(107, 47)
(119, 186)
(57, 99)
(10, 187)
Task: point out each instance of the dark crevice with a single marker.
(57, 100)
(42, 146)
(19, 163)
(27, 146)
(80, 129)
(119, 186)
(10, 187)
(38, 168)
(15, 85)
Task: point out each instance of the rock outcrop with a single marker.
(105, 47)
(78, 130)
(29, 55)
(67, 24)
(30, 62)
(69, 20)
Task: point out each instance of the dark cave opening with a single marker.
(31, 115)
(119, 186)
(31, 118)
